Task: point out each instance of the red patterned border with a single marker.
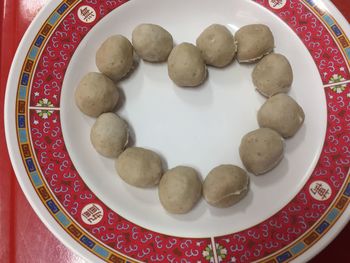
(115, 239)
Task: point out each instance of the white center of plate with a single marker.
(200, 127)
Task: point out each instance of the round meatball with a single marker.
(217, 45)
(273, 75)
(254, 41)
(225, 185)
(139, 167)
(186, 66)
(180, 189)
(282, 114)
(115, 57)
(109, 135)
(96, 94)
(152, 42)
(261, 150)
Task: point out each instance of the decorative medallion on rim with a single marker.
(92, 214)
(320, 190)
(277, 4)
(87, 14)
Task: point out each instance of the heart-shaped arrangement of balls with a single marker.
(181, 188)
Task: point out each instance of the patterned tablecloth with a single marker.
(23, 236)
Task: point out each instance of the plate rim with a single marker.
(27, 187)
(344, 220)
(21, 174)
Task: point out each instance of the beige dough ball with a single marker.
(139, 167)
(282, 114)
(225, 185)
(152, 42)
(217, 45)
(179, 190)
(115, 57)
(261, 150)
(273, 75)
(186, 66)
(96, 94)
(109, 135)
(254, 41)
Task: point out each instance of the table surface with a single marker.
(23, 236)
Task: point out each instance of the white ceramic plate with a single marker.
(290, 213)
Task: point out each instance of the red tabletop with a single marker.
(23, 236)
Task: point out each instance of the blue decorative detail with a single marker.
(22, 136)
(347, 50)
(297, 248)
(53, 207)
(62, 9)
(322, 227)
(87, 241)
(33, 52)
(30, 165)
(347, 190)
(285, 256)
(328, 20)
(53, 19)
(22, 92)
(21, 121)
(310, 2)
(63, 219)
(25, 79)
(336, 30)
(36, 179)
(39, 41)
(332, 215)
(101, 251)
